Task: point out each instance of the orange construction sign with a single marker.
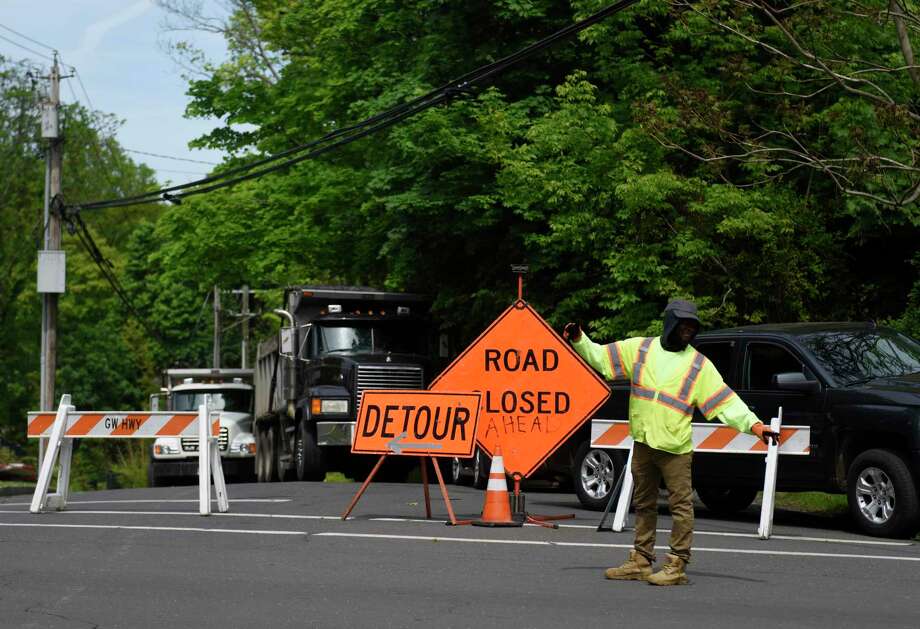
(535, 390)
(417, 423)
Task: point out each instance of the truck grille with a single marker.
(190, 444)
(387, 377)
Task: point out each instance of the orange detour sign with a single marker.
(417, 423)
(535, 390)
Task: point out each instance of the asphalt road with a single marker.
(283, 557)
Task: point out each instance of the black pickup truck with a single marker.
(856, 385)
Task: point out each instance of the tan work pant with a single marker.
(649, 467)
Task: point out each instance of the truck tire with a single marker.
(594, 473)
(264, 455)
(271, 453)
(727, 500)
(153, 480)
(308, 457)
(881, 494)
(481, 465)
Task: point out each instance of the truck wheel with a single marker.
(726, 500)
(456, 472)
(594, 473)
(264, 455)
(881, 494)
(308, 457)
(271, 453)
(152, 479)
(481, 464)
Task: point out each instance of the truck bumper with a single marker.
(180, 468)
(337, 433)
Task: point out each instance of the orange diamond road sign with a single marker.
(535, 390)
(419, 423)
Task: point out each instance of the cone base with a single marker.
(504, 523)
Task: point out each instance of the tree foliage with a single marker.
(735, 152)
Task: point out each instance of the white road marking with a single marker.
(107, 502)
(148, 528)
(280, 516)
(285, 516)
(792, 538)
(739, 551)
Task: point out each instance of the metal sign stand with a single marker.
(60, 450)
(423, 461)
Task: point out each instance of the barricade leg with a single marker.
(204, 461)
(51, 455)
(58, 500)
(769, 483)
(626, 492)
(217, 470)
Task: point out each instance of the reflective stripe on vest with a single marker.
(691, 377)
(716, 399)
(616, 362)
(640, 361)
(643, 393)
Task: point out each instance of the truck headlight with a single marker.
(320, 406)
(243, 444)
(165, 446)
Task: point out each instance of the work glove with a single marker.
(765, 434)
(571, 332)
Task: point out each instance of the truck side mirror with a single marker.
(795, 381)
(287, 343)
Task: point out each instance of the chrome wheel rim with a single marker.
(875, 495)
(455, 470)
(477, 467)
(597, 474)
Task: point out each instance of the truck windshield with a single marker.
(860, 356)
(236, 401)
(398, 337)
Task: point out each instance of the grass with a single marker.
(812, 502)
(15, 483)
(336, 477)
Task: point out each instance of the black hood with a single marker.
(675, 311)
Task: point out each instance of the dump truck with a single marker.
(175, 459)
(334, 343)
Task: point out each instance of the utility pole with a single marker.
(51, 267)
(216, 361)
(244, 350)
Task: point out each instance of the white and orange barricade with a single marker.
(710, 438)
(67, 424)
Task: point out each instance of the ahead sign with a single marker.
(535, 390)
(421, 423)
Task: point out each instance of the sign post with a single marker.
(536, 392)
(425, 424)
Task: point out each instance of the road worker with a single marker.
(668, 379)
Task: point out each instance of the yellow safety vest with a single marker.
(665, 387)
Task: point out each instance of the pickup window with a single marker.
(719, 354)
(857, 357)
(765, 360)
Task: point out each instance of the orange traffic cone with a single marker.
(497, 508)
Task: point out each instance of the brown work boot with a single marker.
(671, 574)
(636, 568)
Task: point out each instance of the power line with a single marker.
(349, 134)
(34, 52)
(178, 159)
(27, 38)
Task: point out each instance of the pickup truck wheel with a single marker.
(481, 464)
(456, 472)
(308, 457)
(726, 500)
(594, 473)
(881, 494)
